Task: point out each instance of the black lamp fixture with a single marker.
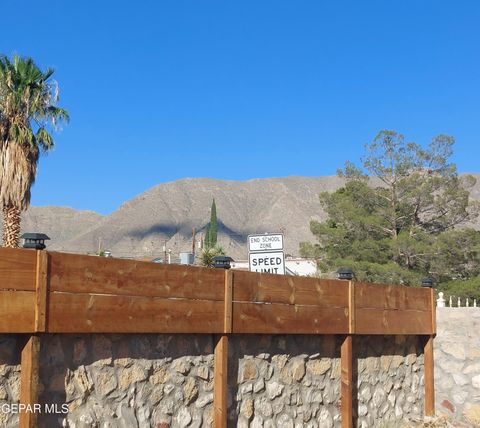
(35, 241)
(345, 273)
(222, 262)
(427, 282)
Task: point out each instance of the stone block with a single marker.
(274, 389)
(190, 391)
(183, 417)
(472, 413)
(159, 376)
(248, 370)
(319, 367)
(455, 349)
(476, 381)
(298, 369)
(131, 375)
(246, 408)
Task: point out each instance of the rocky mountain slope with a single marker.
(167, 213)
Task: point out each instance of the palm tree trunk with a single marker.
(11, 226)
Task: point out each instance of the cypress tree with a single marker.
(211, 231)
(213, 225)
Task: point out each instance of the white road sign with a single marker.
(267, 242)
(271, 262)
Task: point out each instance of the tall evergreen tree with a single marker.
(213, 224)
(211, 232)
(397, 217)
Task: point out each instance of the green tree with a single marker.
(211, 232)
(28, 113)
(395, 220)
(461, 288)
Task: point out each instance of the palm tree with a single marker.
(28, 113)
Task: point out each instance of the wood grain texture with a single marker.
(41, 289)
(220, 383)
(346, 391)
(288, 319)
(17, 311)
(391, 297)
(429, 377)
(433, 309)
(378, 321)
(227, 325)
(261, 287)
(94, 313)
(17, 269)
(103, 275)
(351, 307)
(29, 380)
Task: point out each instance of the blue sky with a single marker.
(162, 90)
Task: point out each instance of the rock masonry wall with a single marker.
(294, 381)
(390, 379)
(10, 346)
(128, 381)
(287, 381)
(457, 363)
(161, 381)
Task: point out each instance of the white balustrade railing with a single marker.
(441, 302)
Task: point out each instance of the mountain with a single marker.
(59, 223)
(166, 215)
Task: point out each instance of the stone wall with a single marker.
(389, 378)
(294, 381)
(287, 381)
(457, 363)
(128, 381)
(160, 381)
(10, 346)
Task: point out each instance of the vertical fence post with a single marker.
(29, 377)
(220, 392)
(41, 289)
(429, 362)
(346, 363)
(29, 381)
(429, 377)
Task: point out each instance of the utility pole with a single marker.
(193, 242)
(165, 251)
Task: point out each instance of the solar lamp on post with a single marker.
(34, 241)
(345, 274)
(222, 262)
(427, 282)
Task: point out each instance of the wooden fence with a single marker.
(48, 292)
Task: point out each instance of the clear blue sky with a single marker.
(162, 90)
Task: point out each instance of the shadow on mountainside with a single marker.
(167, 230)
(185, 230)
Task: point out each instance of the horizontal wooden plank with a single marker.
(84, 313)
(391, 297)
(90, 274)
(17, 269)
(387, 321)
(300, 290)
(288, 319)
(17, 311)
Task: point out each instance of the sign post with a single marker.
(265, 253)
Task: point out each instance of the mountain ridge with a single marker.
(165, 214)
